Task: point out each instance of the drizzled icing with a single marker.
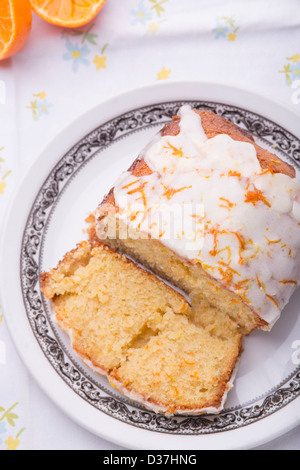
(210, 201)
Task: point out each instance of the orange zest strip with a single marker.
(169, 192)
(161, 234)
(226, 276)
(273, 300)
(176, 152)
(285, 281)
(270, 242)
(261, 284)
(228, 249)
(144, 217)
(255, 196)
(216, 232)
(240, 284)
(188, 363)
(140, 189)
(229, 205)
(267, 170)
(229, 268)
(234, 173)
(130, 184)
(207, 266)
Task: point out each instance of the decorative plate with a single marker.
(46, 219)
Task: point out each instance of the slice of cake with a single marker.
(207, 209)
(130, 326)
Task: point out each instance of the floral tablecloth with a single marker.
(253, 44)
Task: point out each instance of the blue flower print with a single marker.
(220, 31)
(77, 54)
(43, 107)
(2, 431)
(2, 428)
(295, 69)
(141, 15)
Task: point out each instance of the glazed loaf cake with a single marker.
(131, 327)
(207, 209)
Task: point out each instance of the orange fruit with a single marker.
(67, 13)
(15, 26)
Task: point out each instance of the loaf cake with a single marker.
(216, 216)
(206, 208)
(133, 328)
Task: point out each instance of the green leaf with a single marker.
(20, 432)
(3, 178)
(72, 32)
(75, 32)
(10, 421)
(90, 38)
(158, 6)
(104, 48)
(33, 104)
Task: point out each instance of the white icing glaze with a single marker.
(209, 201)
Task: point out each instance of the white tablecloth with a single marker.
(253, 44)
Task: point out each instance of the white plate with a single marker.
(46, 219)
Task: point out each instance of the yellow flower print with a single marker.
(153, 28)
(1, 319)
(163, 74)
(3, 182)
(226, 28)
(291, 70)
(231, 36)
(149, 13)
(3, 175)
(41, 95)
(2, 187)
(100, 60)
(8, 418)
(40, 106)
(13, 444)
(295, 58)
